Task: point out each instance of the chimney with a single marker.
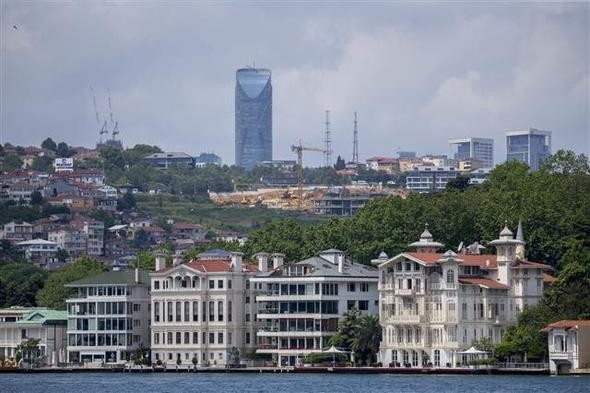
(262, 258)
(236, 261)
(137, 275)
(340, 258)
(277, 260)
(176, 259)
(160, 261)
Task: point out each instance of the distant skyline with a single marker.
(417, 74)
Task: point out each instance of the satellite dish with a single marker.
(460, 247)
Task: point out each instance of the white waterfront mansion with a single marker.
(433, 306)
(301, 303)
(202, 310)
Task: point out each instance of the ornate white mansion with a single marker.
(433, 305)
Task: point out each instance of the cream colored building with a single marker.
(203, 310)
(434, 305)
(569, 346)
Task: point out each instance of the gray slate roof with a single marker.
(122, 277)
(324, 268)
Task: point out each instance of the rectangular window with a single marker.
(211, 284)
(156, 285)
(211, 338)
(219, 284)
(136, 307)
(211, 311)
(220, 338)
(247, 338)
(187, 311)
(195, 337)
(364, 287)
(229, 311)
(228, 284)
(156, 338)
(220, 311)
(247, 300)
(351, 287)
(229, 338)
(363, 305)
(195, 311)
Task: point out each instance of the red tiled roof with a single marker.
(213, 266)
(485, 261)
(567, 324)
(483, 282)
(548, 278)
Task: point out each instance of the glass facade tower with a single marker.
(474, 148)
(530, 146)
(253, 138)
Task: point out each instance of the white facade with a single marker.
(430, 178)
(301, 303)
(17, 231)
(37, 249)
(569, 346)
(433, 306)
(18, 324)
(203, 310)
(108, 317)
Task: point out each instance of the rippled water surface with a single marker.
(274, 383)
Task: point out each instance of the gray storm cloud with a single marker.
(417, 75)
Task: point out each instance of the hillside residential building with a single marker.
(38, 250)
(94, 231)
(72, 240)
(171, 159)
(108, 317)
(301, 303)
(569, 346)
(18, 324)
(424, 178)
(17, 231)
(202, 310)
(433, 305)
(21, 192)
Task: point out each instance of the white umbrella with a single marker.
(333, 350)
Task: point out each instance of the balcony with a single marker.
(405, 292)
(407, 318)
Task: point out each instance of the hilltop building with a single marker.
(433, 306)
(253, 117)
(530, 146)
(471, 148)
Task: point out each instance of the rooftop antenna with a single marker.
(355, 141)
(328, 141)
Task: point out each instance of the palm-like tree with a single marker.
(367, 339)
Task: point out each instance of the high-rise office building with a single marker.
(253, 142)
(474, 148)
(531, 146)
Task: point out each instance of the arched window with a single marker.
(450, 276)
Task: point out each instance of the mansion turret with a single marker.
(434, 305)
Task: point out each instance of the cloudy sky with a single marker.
(417, 74)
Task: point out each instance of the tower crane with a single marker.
(299, 149)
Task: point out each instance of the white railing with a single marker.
(534, 366)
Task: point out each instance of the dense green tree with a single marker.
(104, 216)
(144, 260)
(126, 202)
(21, 282)
(459, 183)
(63, 150)
(347, 330)
(42, 164)
(62, 254)
(566, 162)
(340, 163)
(12, 162)
(28, 350)
(49, 144)
(54, 294)
(37, 198)
(367, 339)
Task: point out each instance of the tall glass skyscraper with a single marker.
(478, 148)
(253, 117)
(530, 146)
